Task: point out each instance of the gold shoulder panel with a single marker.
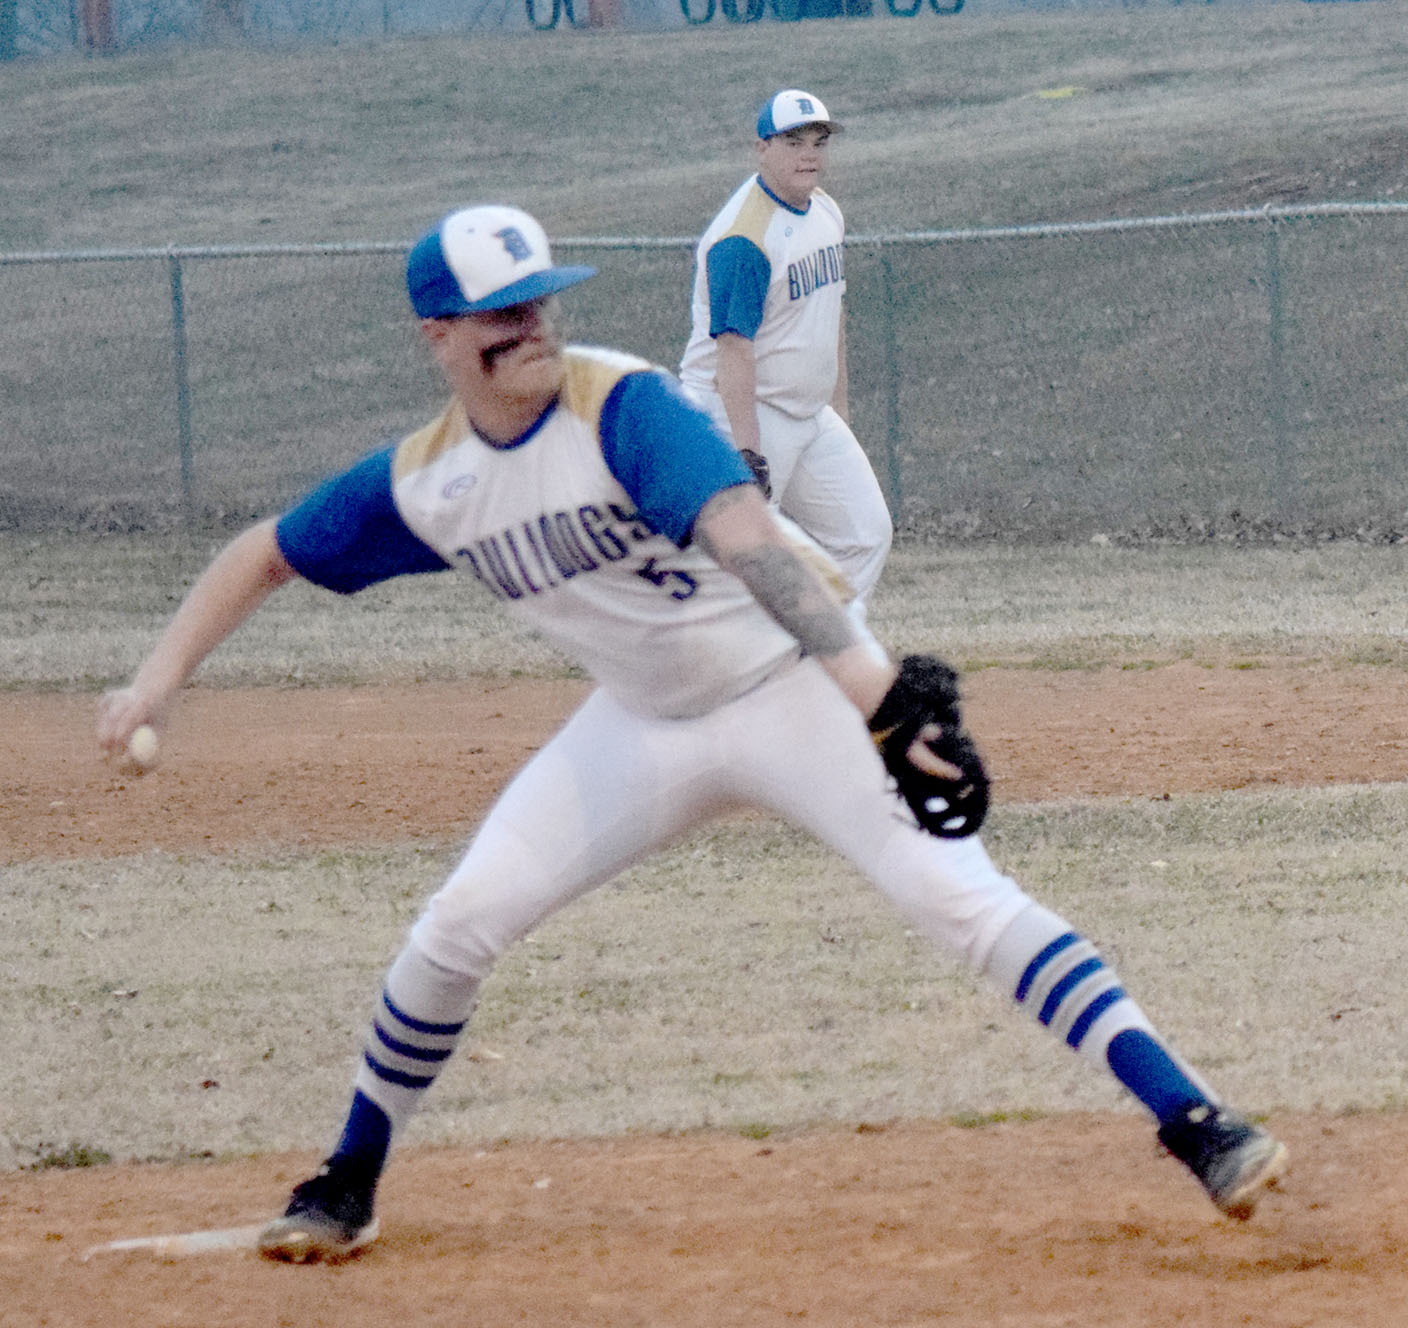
(753, 217)
(419, 449)
(591, 374)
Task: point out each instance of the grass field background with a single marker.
(1181, 108)
(745, 980)
(1152, 383)
(78, 615)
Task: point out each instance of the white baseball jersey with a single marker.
(582, 527)
(775, 275)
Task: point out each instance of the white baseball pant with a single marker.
(822, 479)
(612, 786)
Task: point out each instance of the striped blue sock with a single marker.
(417, 1023)
(1060, 978)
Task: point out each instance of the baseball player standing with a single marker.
(767, 351)
(582, 489)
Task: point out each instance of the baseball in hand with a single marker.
(142, 747)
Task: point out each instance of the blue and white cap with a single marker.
(791, 109)
(482, 258)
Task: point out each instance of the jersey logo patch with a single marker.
(458, 487)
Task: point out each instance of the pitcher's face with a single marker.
(512, 354)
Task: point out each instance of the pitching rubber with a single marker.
(185, 1243)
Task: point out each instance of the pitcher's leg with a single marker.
(813, 762)
(611, 787)
(605, 791)
(1054, 973)
(1058, 977)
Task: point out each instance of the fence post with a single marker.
(9, 29)
(893, 474)
(183, 387)
(1279, 383)
(99, 25)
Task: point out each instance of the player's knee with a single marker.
(950, 889)
(881, 535)
(862, 558)
(460, 940)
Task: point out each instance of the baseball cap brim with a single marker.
(831, 126)
(441, 297)
(532, 287)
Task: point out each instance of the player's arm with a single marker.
(237, 582)
(736, 377)
(344, 536)
(738, 273)
(736, 529)
(689, 484)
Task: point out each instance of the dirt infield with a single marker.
(370, 765)
(1071, 1220)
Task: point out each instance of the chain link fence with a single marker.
(1239, 374)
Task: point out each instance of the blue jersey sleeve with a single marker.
(666, 453)
(347, 534)
(738, 273)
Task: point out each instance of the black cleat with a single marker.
(328, 1218)
(1236, 1161)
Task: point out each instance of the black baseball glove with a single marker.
(926, 692)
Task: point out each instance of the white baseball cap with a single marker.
(790, 109)
(481, 258)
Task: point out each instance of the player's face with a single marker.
(513, 353)
(792, 164)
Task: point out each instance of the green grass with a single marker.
(981, 1120)
(69, 1158)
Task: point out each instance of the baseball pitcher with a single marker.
(581, 489)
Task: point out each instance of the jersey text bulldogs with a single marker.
(540, 554)
(815, 271)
